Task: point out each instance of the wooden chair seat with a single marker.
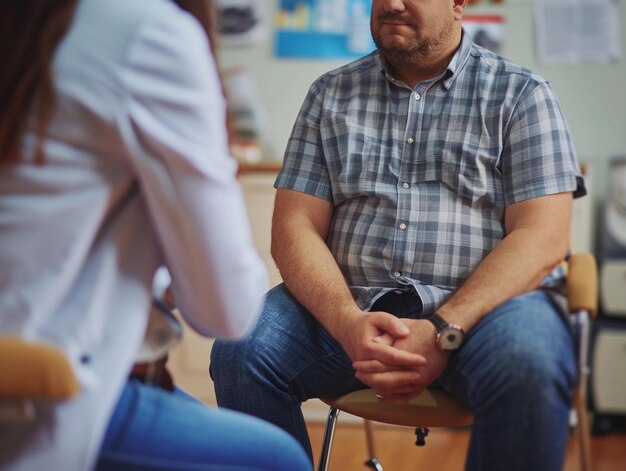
(432, 408)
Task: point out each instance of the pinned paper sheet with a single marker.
(577, 31)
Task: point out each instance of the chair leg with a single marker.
(580, 400)
(372, 462)
(583, 433)
(420, 436)
(327, 441)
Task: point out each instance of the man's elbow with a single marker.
(555, 252)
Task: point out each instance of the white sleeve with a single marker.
(173, 124)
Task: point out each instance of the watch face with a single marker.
(450, 337)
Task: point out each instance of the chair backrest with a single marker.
(582, 283)
(582, 295)
(32, 371)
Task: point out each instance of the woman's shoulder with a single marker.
(115, 21)
(120, 12)
(108, 36)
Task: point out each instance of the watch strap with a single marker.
(437, 321)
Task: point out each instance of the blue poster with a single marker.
(323, 29)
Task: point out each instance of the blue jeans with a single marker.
(152, 429)
(516, 371)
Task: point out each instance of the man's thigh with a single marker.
(289, 347)
(525, 339)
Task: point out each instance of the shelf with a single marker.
(261, 167)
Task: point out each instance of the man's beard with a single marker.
(415, 51)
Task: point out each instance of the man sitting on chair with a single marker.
(422, 214)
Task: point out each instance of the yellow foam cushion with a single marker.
(35, 371)
(582, 283)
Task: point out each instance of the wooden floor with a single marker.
(446, 447)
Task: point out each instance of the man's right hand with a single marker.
(390, 381)
(360, 335)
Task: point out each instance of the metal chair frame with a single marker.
(436, 408)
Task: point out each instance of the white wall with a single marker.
(593, 97)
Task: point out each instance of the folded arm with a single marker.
(536, 241)
(299, 229)
(173, 126)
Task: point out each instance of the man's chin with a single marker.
(391, 44)
(394, 50)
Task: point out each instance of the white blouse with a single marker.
(137, 175)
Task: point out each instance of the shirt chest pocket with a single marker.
(465, 168)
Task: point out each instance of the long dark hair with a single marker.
(204, 12)
(30, 32)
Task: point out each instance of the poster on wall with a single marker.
(485, 30)
(323, 29)
(241, 22)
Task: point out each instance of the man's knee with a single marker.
(529, 375)
(226, 355)
(264, 349)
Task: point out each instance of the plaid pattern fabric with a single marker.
(420, 178)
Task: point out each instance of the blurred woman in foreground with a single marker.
(114, 161)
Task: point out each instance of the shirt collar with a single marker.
(452, 71)
(458, 61)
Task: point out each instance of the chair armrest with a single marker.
(582, 283)
(31, 370)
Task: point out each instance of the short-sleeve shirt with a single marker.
(420, 177)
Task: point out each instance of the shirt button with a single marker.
(402, 226)
(405, 185)
(417, 96)
(410, 140)
(398, 273)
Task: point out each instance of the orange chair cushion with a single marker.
(582, 283)
(34, 371)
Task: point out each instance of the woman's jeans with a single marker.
(516, 370)
(153, 429)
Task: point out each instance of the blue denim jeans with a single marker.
(152, 429)
(516, 371)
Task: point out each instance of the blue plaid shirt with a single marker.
(419, 178)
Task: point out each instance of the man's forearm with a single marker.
(498, 279)
(299, 229)
(311, 274)
(535, 245)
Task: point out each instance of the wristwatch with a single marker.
(449, 336)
